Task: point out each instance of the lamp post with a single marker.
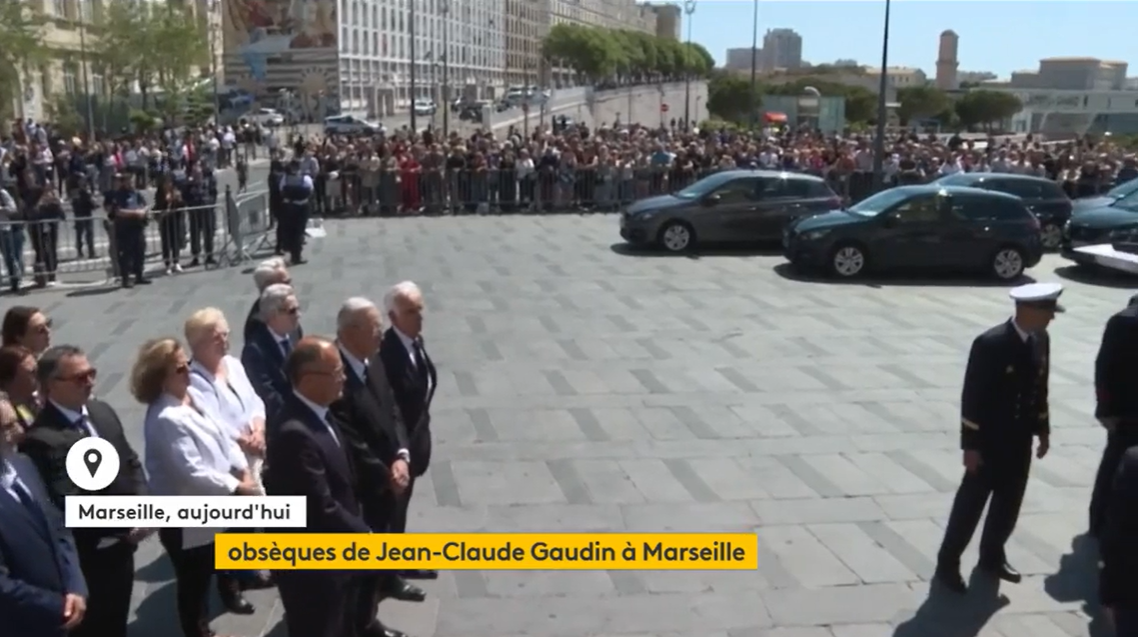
(879, 141)
(751, 107)
(413, 62)
(83, 17)
(444, 7)
(689, 9)
(213, 70)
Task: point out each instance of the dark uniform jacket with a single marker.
(1116, 369)
(1118, 579)
(1004, 401)
(414, 389)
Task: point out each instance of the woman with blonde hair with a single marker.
(187, 453)
(220, 388)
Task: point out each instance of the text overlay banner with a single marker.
(488, 551)
(183, 511)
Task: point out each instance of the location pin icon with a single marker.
(92, 459)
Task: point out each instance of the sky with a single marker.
(999, 37)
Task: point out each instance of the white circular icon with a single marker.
(92, 464)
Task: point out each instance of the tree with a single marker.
(21, 47)
(729, 97)
(921, 102)
(118, 49)
(599, 54)
(183, 49)
(64, 116)
(985, 108)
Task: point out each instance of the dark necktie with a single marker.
(29, 503)
(83, 427)
(286, 346)
(333, 427)
(420, 360)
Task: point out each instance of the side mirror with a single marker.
(711, 200)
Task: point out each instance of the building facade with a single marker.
(782, 49)
(741, 59)
(1072, 74)
(360, 60)
(527, 22)
(1060, 114)
(669, 20)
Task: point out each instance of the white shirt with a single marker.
(10, 482)
(281, 340)
(232, 403)
(79, 418)
(321, 413)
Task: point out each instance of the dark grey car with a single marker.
(733, 206)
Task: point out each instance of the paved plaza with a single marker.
(582, 388)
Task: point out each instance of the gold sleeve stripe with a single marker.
(968, 424)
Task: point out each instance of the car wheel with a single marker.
(848, 261)
(1008, 263)
(676, 236)
(1052, 236)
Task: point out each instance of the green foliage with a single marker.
(922, 102)
(729, 97)
(717, 125)
(144, 121)
(153, 45)
(64, 115)
(199, 105)
(981, 107)
(599, 53)
(21, 46)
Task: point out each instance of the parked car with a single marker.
(268, 117)
(1108, 197)
(951, 228)
(729, 206)
(1116, 222)
(424, 107)
(1043, 197)
(351, 125)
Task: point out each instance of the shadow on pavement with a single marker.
(1100, 277)
(157, 613)
(933, 279)
(712, 251)
(157, 571)
(946, 614)
(1077, 580)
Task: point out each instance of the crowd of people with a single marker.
(344, 423)
(579, 168)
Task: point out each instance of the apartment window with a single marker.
(59, 8)
(70, 78)
(45, 81)
(97, 86)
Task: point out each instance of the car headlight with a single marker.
(644, 214)
(814, 235)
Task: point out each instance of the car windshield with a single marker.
(1123, 189)
(880, 202)
(704, 186)
(1128, 202)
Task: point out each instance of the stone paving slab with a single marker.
(584, 388)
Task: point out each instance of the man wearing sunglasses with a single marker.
(69, 414)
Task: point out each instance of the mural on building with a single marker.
(284, 54)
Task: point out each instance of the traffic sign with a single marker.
(663, 108)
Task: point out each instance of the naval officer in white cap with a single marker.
(1002, 408)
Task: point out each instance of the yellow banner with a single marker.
(488, 551)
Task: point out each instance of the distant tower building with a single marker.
(946, 62)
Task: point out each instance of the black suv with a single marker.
(920, 227)
(1043, 197)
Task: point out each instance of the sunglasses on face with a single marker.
(292, 311)
(88, 376)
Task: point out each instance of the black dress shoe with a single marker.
(259, 582)
(1002, 571)
(421, 574)
(404, 591)
(142, 281)
(376, 629)
(951, 580)
(233, 600)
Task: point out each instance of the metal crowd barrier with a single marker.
(81, 250)
(391, 193)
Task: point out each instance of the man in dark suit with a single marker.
(1118, 579)
(413, 379)
(1003, 410)
(69, 414)
(268, 272)
(377, 442)
(307, 456)
(42, 591)
(270, 344)
(1116, 377)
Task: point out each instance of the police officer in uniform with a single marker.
(1003, 406)
(1116, 391)
(276, 201)
(127, 211)
(199, 191)
(296, 195)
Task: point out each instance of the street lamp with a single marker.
(444, 7)
(689, 9)
(84, 16)
(413, 62)
(879, 142)
(210, 33)
(754, 66)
